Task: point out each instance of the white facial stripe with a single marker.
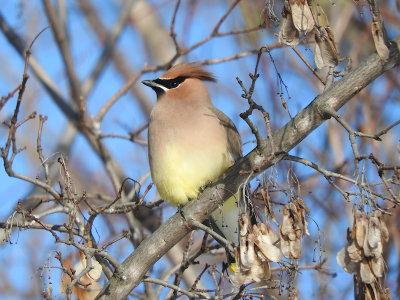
(160, 86)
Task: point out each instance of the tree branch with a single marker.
(174, 229)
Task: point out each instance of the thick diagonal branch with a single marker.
(150, 250)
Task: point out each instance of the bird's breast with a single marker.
(186, 155)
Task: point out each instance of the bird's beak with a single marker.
(149, 83)
(159, 89)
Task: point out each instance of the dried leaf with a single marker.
(384, 231)
(247, 253)
(269, 211)
(379, 37)
(367, 294)
(265, 239)
(378, 266)
(303, 205)
(304, 222)
(251, 265)
(295, 248)
(365, 273)
(374, 237)
(244, 223)
(320, 16)
(288, 33)
(302, 17)
(345, 262)
(361, 227)
(325, 52)
(259, 271)
(366, 248)
(354, 252)
(296, 215)
(268, 207)
(292, 229)
(267, 271)
(285, 246)
(287, 224)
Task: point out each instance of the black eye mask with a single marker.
(170, 83)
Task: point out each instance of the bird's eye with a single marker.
(170, 83)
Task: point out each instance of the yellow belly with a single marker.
(180, 172)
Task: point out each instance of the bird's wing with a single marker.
(232, 134)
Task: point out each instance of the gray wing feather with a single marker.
(232, 134)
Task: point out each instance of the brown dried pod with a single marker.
(302, 16)
(295, 248)
(251, 263)
(292, 229)
(379, 37)
(287, 224)
(265, 240)
(288, 33)
(373, 247)
(285, 246)
(345, 261)
(354, 252)
(366, 273)
(377, 266)
(360, 229)
(325, 52)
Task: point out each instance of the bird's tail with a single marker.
(225, 220)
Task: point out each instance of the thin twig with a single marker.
(63, 44)
(109, 45)
(105, 108)
(172, 28)
(308, 65)
(174, 287)
(215, 235)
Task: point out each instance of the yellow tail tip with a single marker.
(232, 267)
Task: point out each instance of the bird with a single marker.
(190, 142)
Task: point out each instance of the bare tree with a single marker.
(317, 91)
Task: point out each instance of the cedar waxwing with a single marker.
(190, 142)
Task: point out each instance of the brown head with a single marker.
(183, 81)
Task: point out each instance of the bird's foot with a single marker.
(180, 211)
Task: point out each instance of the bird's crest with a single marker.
(188, 70)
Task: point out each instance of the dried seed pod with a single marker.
(295, 248)
(384, 231)
(288, 33)
(265, 240)
(378, 266)
(373, 245)
(247, 253)
(362, 256)
(302, 16)
(293, 227)
(360, 229)
(345, 261)
(366, 273)
(325, 52)
(354, 252)
(285, 246)
(379, 36)
(287, 224)
(254, 252)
